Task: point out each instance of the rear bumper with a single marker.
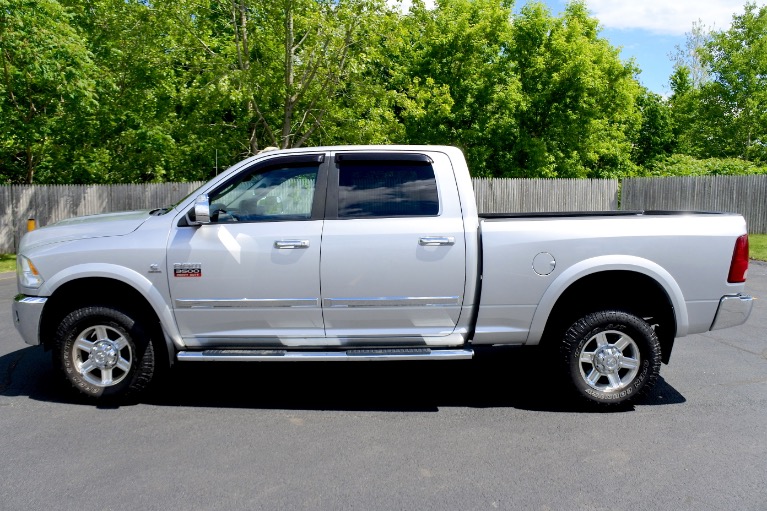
(26, 311)
(732, 311)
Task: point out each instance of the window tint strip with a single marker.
(380, 157)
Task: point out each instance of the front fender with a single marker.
(125, 275)
(608, 263)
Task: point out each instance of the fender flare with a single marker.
(601, 264)
(127, 276)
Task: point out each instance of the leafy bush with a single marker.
(683, 165)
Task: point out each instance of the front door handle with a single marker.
(291, 244)
(435, 241)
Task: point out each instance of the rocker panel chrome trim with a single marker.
(319, 356)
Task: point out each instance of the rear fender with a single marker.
(608, 263)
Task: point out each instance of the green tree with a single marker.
(725, 116)
(656, 136)
(130, 136)
(579, 106)
(295, 59)
(47, 86)
(451, 81)
(735, 101)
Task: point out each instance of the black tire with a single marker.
(611, 357)
(104, 353)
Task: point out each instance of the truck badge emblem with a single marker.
(187, 269)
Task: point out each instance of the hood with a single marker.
(83, 227)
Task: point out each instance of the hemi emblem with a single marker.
(187, 269)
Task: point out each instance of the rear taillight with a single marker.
(739, 264)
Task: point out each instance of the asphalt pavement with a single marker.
(491, 433)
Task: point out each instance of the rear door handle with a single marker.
(435, 241)
(291, 244)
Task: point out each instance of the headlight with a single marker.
(27, 273)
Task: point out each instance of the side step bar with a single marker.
(356, 355)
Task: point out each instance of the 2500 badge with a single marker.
(187, 270)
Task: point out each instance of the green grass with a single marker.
(757, 246)
(7, 262)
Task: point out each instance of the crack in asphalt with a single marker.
(739, 348)
(743, 382)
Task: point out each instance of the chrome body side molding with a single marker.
(246, 303)
(394, 301)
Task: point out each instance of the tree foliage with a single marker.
(46, 85)
(579, 105)
(656, 136)
(449, 79)
(685, 165)
(725, 116)
(136, 91)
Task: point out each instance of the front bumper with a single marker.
(26, 312)
(732, 311)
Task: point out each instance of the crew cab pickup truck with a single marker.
(373, 253)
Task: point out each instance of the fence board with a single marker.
(7, 221)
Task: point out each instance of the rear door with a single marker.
(393, 251)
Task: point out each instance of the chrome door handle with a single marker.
(434, 241)
(290, 244)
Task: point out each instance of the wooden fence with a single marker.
(746, 195)
(50, 203)
(542, 195)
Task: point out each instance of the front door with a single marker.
(251, 277)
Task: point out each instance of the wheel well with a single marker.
(627, 291)
(101, 292)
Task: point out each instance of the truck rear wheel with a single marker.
(104, 353)
(611, 356)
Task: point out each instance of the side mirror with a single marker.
(201, 210)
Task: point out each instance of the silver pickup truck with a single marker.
(373, 253)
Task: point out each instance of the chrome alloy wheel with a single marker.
(609, 361)
(102, 356)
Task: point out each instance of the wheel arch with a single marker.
(644, 289)
(110, 291)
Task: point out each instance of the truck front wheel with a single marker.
(104, 353)
(611, 356)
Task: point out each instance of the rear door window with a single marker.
(375, 189)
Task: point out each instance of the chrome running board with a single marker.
(355, 355)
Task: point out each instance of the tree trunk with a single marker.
(289, 78)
